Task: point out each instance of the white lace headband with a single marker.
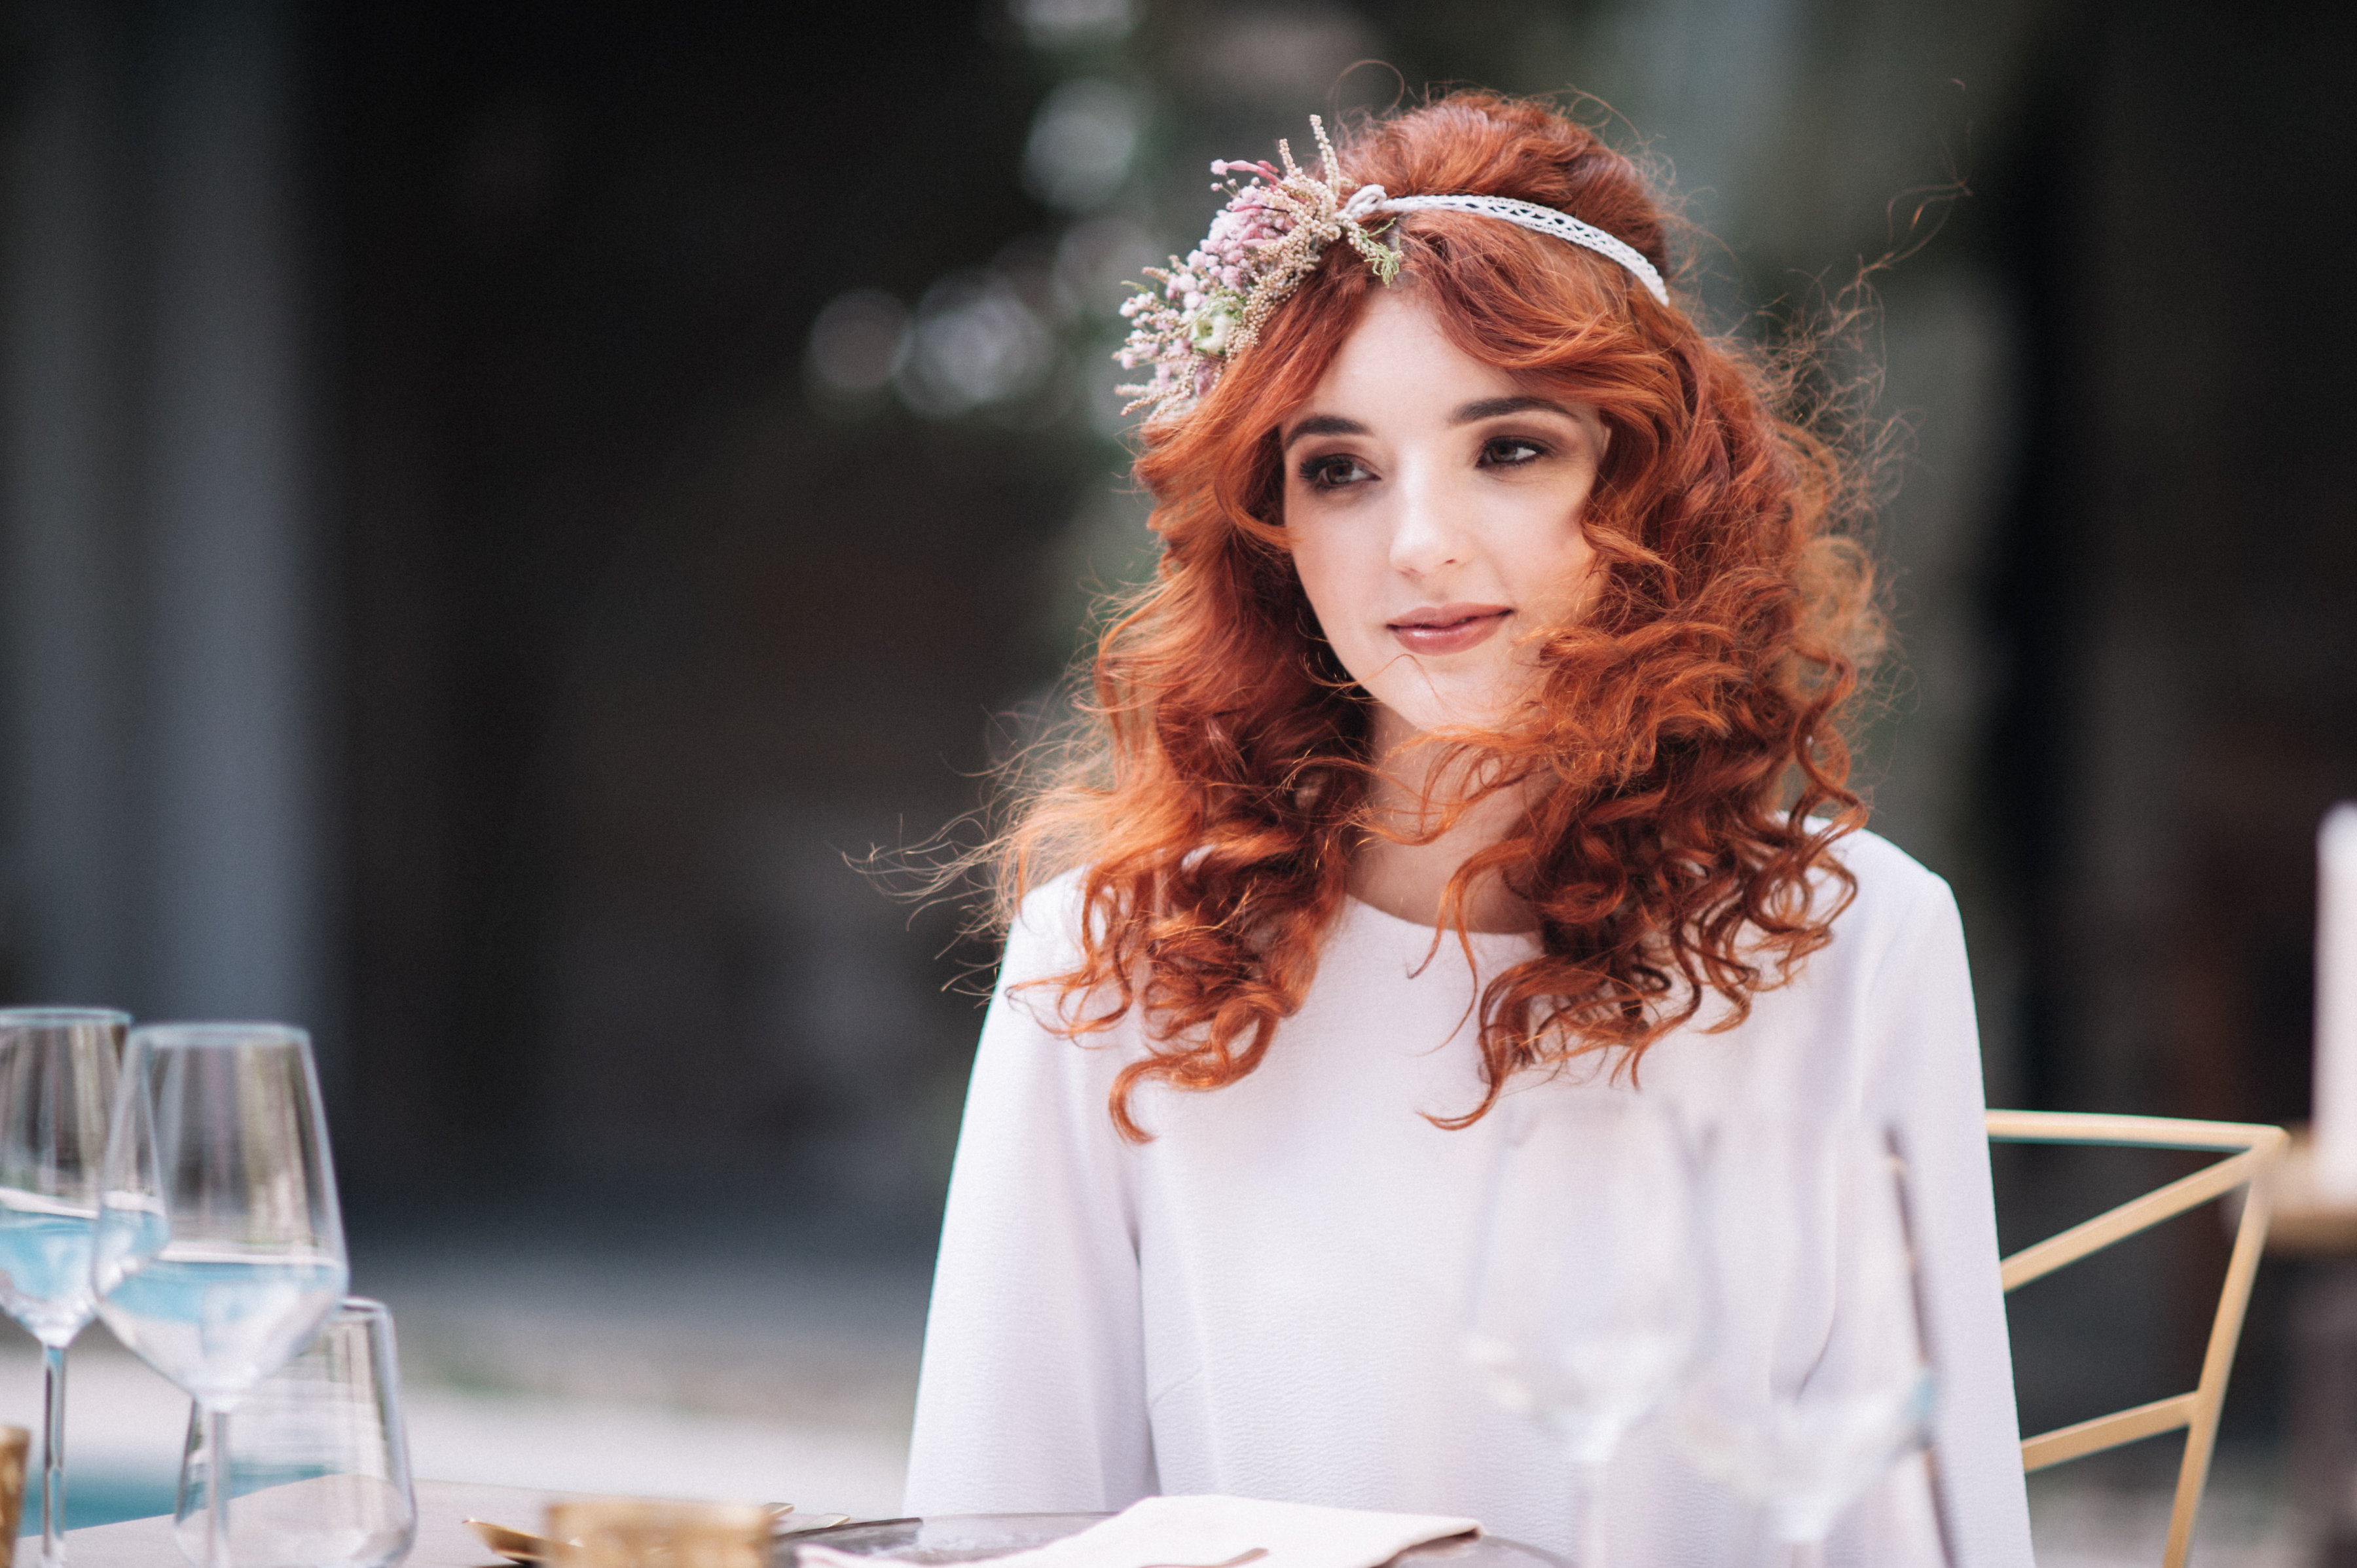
(1266, 240)
(1530, 215)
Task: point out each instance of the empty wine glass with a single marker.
(58, 1068)
(319, 1470)
(219, 1247)
(1583, 1307)
(1812, 1381)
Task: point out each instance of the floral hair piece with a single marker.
(1212, 306)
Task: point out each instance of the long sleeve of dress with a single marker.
(1918, 1024)
(1031, 1396)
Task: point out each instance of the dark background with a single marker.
(462, 593)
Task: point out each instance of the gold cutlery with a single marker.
(809, 1522)
(515, 1545)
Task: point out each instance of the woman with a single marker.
(1479, 731)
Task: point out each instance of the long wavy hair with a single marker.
(1683, 766)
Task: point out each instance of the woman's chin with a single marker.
(1425, 715)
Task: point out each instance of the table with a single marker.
(973, 1537)
(443, 1543)
(442, 1540)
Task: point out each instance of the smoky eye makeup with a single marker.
(1521, 443)
(1330, 470)
(1514, 451)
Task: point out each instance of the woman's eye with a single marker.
(1510, 451)
(1332, 473)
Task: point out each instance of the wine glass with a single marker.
(58, 1068)
(1583, 1305)
(219, 1247)
(1813, 1381)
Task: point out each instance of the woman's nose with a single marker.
(1427, 534)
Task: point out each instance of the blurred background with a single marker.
(500, 504)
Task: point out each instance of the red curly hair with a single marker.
(1683, 766)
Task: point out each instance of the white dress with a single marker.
(1267, 1299)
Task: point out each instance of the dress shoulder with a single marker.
(1893, 887)
(1875, 861)
(1044, 938)
(1033, 1015)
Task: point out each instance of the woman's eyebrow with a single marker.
(1491, 407)
(1324, 425)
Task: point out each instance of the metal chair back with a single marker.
(2252, 1150)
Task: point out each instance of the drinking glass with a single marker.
(219, 1247)
(1583, 1305)
(58, 1068)
(1813, 1381)
(318, 1463)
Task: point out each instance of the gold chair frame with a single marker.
(2254, 1151)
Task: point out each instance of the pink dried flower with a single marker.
(1258, 248)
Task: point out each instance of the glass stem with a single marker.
(216, 1489)
(53, 1456)
(1806, 1553)
(1588, 1496)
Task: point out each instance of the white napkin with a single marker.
(1201, 1531)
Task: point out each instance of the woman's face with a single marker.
(1433, 506)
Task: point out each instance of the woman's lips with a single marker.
(1450, 628)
